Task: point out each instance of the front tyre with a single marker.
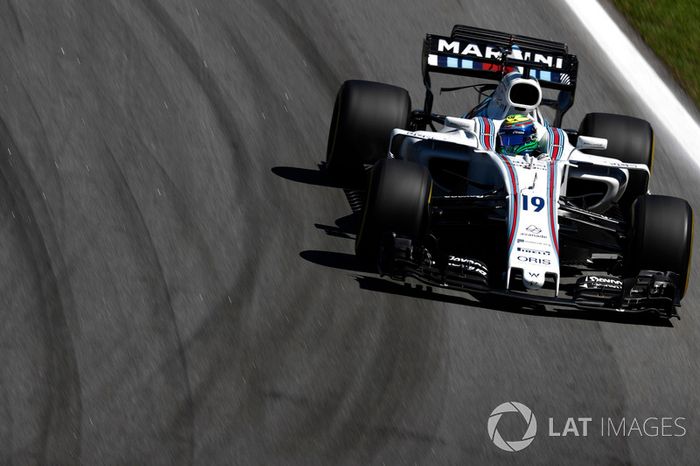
(364, 115)
(661, 237)
(397, 202)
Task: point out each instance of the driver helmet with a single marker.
(517, 136)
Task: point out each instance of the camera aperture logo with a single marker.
(528, 417)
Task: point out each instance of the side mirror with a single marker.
(589, 142)
(460, 123)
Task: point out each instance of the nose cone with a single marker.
(533, 279)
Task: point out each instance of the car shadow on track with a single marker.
(319, 177)
(369, 281)
(347, 227)
(306, 175)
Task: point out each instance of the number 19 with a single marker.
(536, 201)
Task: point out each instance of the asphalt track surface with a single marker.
(177, 280)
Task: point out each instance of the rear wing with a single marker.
(481, 53)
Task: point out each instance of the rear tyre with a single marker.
(397, 202)
(630, 140)
(364, 115)
(661, 237)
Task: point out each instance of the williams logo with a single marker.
(528, 417)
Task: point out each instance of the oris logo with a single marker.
(534, 230)
(530, 430)
(534, 260)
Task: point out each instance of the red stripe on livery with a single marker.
(516, 196)
(557, 144)
(552, 188)
(487, 133)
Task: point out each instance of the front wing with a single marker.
(653, 292)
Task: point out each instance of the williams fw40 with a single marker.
(501, 201)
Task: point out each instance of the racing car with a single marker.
(501, 201)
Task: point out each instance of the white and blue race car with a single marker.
(500, 201)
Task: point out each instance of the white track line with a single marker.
(641, 77)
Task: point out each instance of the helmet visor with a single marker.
(514, 139)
